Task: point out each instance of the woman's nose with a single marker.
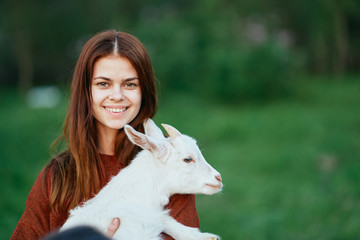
(116, 94)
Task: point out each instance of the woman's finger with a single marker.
(113, 227)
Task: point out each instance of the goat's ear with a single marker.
(152, 130)
(173, 132)
(140, 139)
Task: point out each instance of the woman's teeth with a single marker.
(116, 110)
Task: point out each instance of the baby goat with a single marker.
(139, 193)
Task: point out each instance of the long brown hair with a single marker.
(76, 173)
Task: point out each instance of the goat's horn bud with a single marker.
(173, 132)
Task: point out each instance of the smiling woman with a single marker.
(116, 98)
(113, 85)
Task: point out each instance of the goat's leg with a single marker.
(181, 232)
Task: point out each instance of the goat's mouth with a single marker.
(215, 186)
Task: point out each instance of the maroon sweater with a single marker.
(38, 219)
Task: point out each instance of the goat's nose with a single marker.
(218, 177)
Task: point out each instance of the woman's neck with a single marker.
(106, 142)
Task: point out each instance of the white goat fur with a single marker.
(139, 193)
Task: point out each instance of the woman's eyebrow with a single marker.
(109, 79)
(131, 79)
(103, 78)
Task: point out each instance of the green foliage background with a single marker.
(290, 168)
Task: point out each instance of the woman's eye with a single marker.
(102, 84)
(130, 85)
(188, 160)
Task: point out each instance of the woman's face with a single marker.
(116, 93)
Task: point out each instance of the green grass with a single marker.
(290, 168)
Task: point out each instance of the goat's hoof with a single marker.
(213, 238)
(210, 236)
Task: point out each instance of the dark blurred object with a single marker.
(77, 233)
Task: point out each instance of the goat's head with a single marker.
(183, 164)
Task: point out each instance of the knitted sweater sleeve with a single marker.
(35, 221)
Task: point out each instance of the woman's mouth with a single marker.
(116, 110)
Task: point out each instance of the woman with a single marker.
(113, 85)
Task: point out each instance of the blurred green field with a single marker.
(291, 169)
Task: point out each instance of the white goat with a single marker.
(139, 193)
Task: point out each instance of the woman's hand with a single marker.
(113, 227)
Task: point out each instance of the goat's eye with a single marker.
(188, 160)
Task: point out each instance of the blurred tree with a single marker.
(209, 52)
(45, 35)
(321, 28)
(19, 35)
(215, 48)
